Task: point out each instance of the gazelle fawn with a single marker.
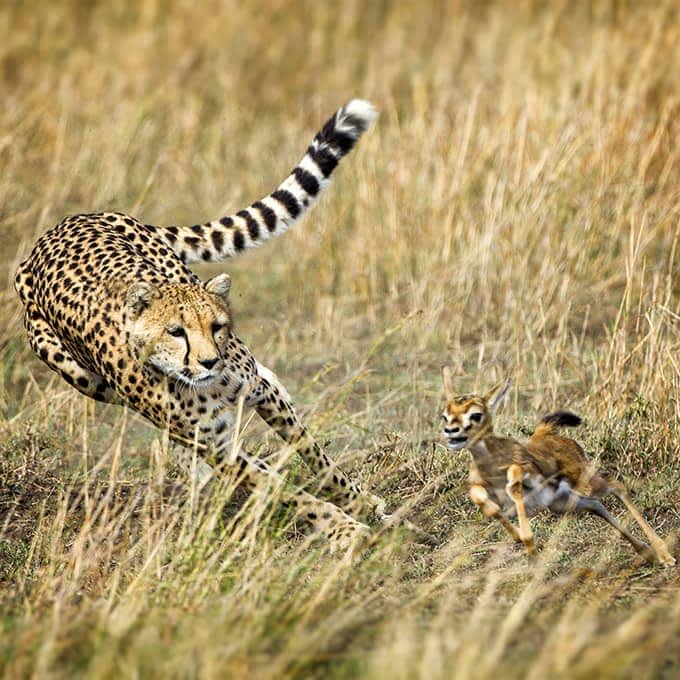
(509, 479)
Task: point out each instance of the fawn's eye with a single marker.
(476, 417)
(175, 331)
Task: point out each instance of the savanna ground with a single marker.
(514, 210)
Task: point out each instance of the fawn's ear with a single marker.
(494, 397)
(447, 375)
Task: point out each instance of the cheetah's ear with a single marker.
(139, 296)
(449, 389)
(495, 397)
(219, 285)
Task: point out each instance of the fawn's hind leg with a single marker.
(515, 491)
(489, 509)
(596, 507)
(658, 546)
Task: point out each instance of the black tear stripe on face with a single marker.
(186, 356)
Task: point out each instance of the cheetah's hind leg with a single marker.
(51, 350)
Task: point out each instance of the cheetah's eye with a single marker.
(176, 331)
(477, 417)
(217, 327)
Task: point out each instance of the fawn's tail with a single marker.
(551, 423)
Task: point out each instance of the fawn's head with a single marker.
(468, 417)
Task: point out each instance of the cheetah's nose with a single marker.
(208, 363)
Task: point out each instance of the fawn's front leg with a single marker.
(491, 510)
(515, 491)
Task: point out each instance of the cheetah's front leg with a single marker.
(194, 466)
(274, 405)
(342, 531)
(51, 350)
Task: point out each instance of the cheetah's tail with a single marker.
(292, 199)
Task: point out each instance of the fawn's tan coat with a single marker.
(551, 471)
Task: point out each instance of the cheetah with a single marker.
(112, 307)
(550, 471)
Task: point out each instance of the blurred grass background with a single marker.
(515, 209)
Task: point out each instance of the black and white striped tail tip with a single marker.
(357, 114)
(292, 199)
(341, 132)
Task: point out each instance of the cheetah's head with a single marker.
(181, 330)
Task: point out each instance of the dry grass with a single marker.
(515, 209)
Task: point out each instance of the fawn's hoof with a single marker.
(667, 560)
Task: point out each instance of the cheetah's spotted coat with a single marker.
(111, 305)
